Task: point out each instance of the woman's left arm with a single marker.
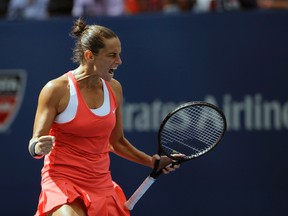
(120, 145)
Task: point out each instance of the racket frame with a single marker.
(179, 160)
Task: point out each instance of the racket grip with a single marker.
(130, 203)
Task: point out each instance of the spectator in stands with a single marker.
(98, 8)
(27, 9)
(186, 5)
(171, 6)
(60, 7)
(177, 6)
(248, 4)
(151, 6)
(263, 4)
(204, 6)
(3, 8)
(137, 6)
(273, 4)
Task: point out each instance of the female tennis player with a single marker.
(77, 123)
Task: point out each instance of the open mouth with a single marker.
(111, 71)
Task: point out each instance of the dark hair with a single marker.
(89, 37)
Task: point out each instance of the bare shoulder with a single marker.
(55, 89)
(116, 86)
(56, 85)
(117, 89)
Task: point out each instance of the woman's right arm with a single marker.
(50, 103)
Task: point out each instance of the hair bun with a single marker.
(78, 28)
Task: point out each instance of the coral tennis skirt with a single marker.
(108, 202)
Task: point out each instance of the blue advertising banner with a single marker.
(238, 61)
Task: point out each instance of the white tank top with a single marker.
(70, 111)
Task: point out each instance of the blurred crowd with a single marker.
(43, 9)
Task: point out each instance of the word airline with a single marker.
(253, 112)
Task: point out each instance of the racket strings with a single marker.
(207, 135)
(192, 130)
(207, 125)
(197, 127)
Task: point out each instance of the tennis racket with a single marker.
(191, 130)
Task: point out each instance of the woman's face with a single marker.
(108, 59)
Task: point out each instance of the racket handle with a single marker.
(129, 204)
